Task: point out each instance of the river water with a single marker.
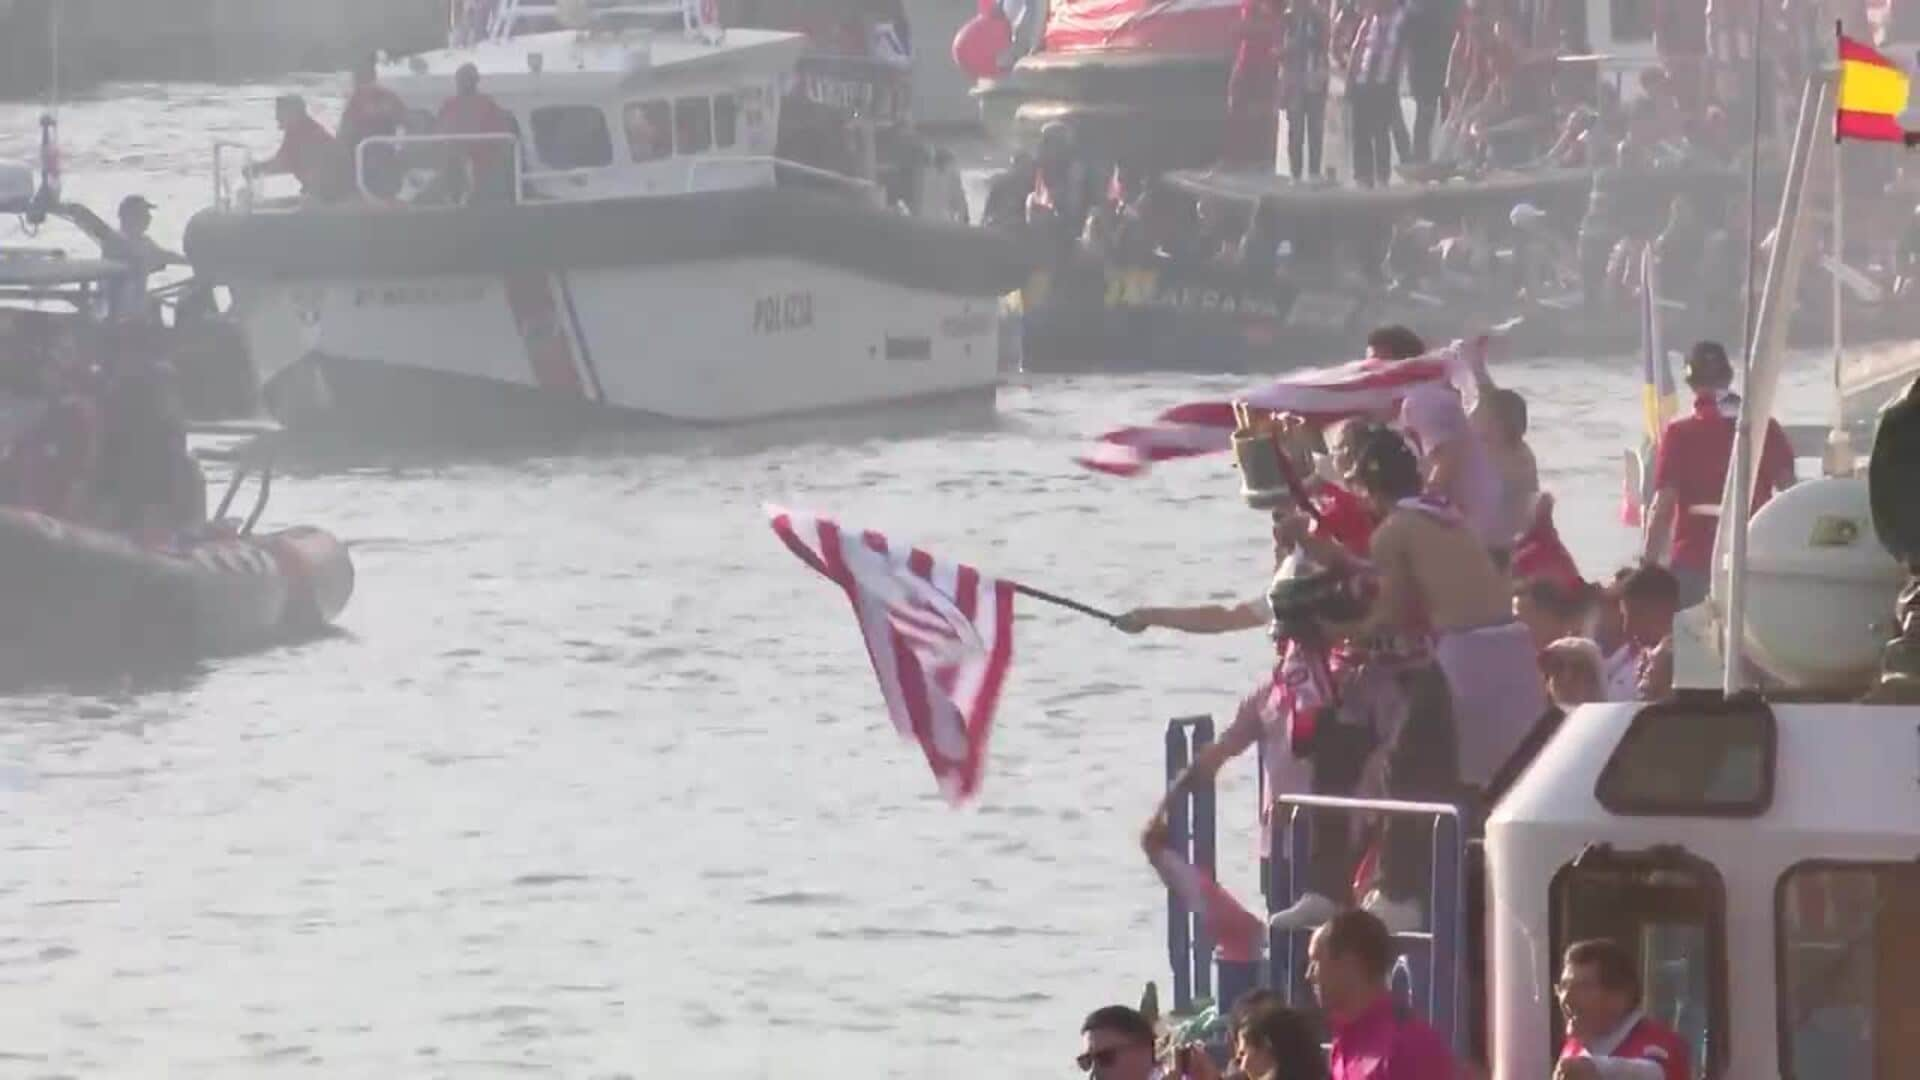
(597, 780)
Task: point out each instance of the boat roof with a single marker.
(1873, 746)
(586, 63)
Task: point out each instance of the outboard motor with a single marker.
(1894, 495)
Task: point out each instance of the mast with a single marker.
(1766, 349)
(1839, 455)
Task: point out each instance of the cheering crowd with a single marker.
(1492, 85)
(1431, 633)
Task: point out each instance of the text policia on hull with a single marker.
(1516, 823)
(648, 217)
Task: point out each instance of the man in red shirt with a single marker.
(307, 151)
(1608, 1036)
(470, 112)
(372, 111)
(1374, 1036)
(1690, 472)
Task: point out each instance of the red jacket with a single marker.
(1646, 1039)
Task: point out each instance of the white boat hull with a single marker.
(714, 342)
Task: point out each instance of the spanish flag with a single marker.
(1873, 94)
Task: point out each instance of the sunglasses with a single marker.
(1102, 1058)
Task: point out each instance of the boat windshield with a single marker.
(1668, 909)
(1849, 969)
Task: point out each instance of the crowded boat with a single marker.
(1514, 822)
(1426, 165)
(113, 555)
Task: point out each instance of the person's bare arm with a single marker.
(1233, 742)
(1446, 466)
(1660, 520)
(1202, 619)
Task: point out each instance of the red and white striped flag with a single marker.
(940, 635)
(1238, 932)
(1321, 395)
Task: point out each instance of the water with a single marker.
(597, 781)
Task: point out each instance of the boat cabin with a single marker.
(1762, 862)
(619, 114)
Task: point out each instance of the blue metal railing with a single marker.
(1429, 971)
(1190, 830)
(1429, 965)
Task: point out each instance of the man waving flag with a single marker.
(1873, 94)
(940, 636)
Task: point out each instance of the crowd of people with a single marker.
(328, 164)
(1372, 1035)
(1491, 86)
(1432, 632)
(91, 431)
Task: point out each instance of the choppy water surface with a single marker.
(598, 781)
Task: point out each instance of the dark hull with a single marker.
(1158, 110)
(1091, 318)
(355, 242)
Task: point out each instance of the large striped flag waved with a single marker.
(1362, 388)
(940, 635)
(1873, 94)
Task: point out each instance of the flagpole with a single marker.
(1839, 450)
(1071, 605)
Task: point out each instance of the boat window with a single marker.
(1849, 970)
(572, 137)
(725, 120)
(1696, 755)
(1668, 909)
(692, 125)
(649, 130)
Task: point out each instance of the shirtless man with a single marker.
(1437, 578)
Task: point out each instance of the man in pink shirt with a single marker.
(1374, 1036)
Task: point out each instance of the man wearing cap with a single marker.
(1690, 473)
(471, 112)
(307, 151)
(131, 246)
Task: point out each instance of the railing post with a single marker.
(1190, 827)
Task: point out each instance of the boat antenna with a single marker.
(48, 195)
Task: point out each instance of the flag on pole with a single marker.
(940, 635)
(1320, 395)
(1873, 94)
(1659, 400)
(1238, 932)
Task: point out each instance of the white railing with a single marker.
(861, 186)
(400, 142)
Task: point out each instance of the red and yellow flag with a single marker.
(1873, 94)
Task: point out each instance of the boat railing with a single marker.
(1191, 832)
(1428, 965)
(777, 165)
(1428, 969)
(399, 144)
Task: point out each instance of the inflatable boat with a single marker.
(76, 592)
